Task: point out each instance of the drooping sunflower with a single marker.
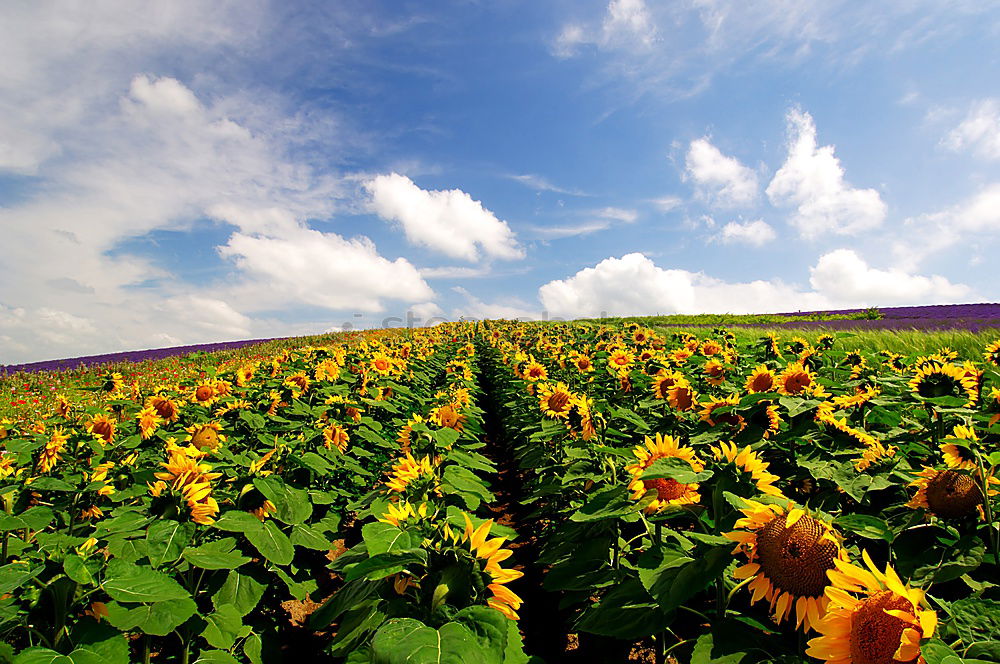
(734, 420)
(873, 454)
(447, 416)
(52, 452)
(992, 353)
(404, 438)
(750, 462)
(663, 381)
(103, 427)
(789, 554)
(669, 492)
(165, 407)
(765, 416)
(715, 372)
(402, 511)
(859, 398)
(960, 457)
(884, 626)
(944, 380)
(682, 396)
(148, 422)
(795, 380)
(491, 551)
(555, 400)
(407, 470)
(710, 347)
(762, 379)
(949, 494)
(679, 356)
(582, 412)
(206, 436)
(336, 436)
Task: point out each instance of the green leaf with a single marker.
(703, 652)
(253, 648)
(215, 657)
(272, 543)
(127, 522)
(610, 503)
(409, 641)
(16, 575)
(672, 468)
(51, 484)
(445, 437)
(237, 521)
(310, 538)
(865, 525)
(465, 484)
(936, 651)
(632, 418)
(384, 564)
(157, 619)
(292, 504)
(241, 591)
(384, 537)
(313, 462)
(976, 619)
(37, 655)
(223, 628)
(76, 569)
(127, 582)
(165, 540)
(33, 518)
(672, 579)
(626, 612)
(216, 555)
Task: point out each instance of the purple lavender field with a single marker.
(971, 317)
(126, 356)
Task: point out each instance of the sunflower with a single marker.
(944, 380)
(265, 510)
(960, 457)
(204, 394)
(893, 361)
(885, 626)
(710, 347)
(405, 437)
(53, 450)
(182, 468)
(731, 419)
(663, 381)
(669, 492)
(112, 382)
(715, 372)
(165, 407)
(948, 494)
(554, 400)
(679, 356)
(582, 362)
(859, 398)
(8, 466)
(749, 462)
(63, 406)
(682, 396)
(448, 417)
(620, 360)
(206, 436)
(874, 453)
(403, 511)
(245, 373)
(762, 379)
(298, 383)
(491, 551)
(381, 363)
(407, 470)
(789, 554)
(582, 410)
(992, 353)
(102, 427)
(336, 436)
(148, 422)
(534, 371)
(795, 380)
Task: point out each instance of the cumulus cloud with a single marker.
(979, 132)
(634, 285)
(812, 181)
(450, 222)
(720, 180)
(756, 233)
(475, 308)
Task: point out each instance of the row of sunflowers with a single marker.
(327, 497)
(775, 502)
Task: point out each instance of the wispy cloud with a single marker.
(538, 183)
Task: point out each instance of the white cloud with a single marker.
(722, 181)
(812, 181)
(979, 132)
(925, 235)
(844, 278)
(539, 183)
(628, 20)
(322, 269)
(755, 233)
(666, 203)
(624, 215)
(634, 285)
(447, 221)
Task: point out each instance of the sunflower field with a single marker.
(505, 492)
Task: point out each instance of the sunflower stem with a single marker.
(984, 484)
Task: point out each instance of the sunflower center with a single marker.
(381, 365)
(621, 360)
(762, 383)
(204, 393)
(558, 402)
(875, 635)
(206, 437)
(583, 363)
(938, 385)
(165, 408)
(535, 372)
(666, 489)
(797, 382)
(796, 559)
(683, 398)
(952, 494)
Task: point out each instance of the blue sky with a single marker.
(199, 171)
